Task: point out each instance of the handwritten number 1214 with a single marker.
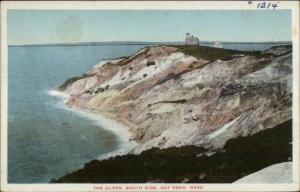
(265, 5)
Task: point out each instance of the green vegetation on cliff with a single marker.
(71, 80)
(240, 157)
(212, 54)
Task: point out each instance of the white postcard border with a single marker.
(147, 5)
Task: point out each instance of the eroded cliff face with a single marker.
(171, 96)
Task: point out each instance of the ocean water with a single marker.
(45, 140)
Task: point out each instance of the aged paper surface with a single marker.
(150, 96)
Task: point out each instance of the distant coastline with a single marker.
(143, 43)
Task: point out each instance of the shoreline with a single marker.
(121, 131)
(255, 153)
(171, 136)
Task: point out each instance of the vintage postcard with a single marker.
(150, 96)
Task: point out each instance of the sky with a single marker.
(72, 26)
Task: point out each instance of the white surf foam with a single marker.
(121, 131)
(63, 96)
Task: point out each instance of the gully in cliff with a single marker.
(194, 114)
(131, 98)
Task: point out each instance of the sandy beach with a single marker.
(104, 121)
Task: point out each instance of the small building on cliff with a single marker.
(218, 44)
(191, 40)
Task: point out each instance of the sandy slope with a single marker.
(278, 173)
(176, 96)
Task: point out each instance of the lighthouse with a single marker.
(191, 40)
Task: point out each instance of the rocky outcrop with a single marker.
(173, 96)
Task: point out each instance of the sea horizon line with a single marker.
(145, 43)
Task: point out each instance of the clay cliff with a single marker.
(174, 96)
